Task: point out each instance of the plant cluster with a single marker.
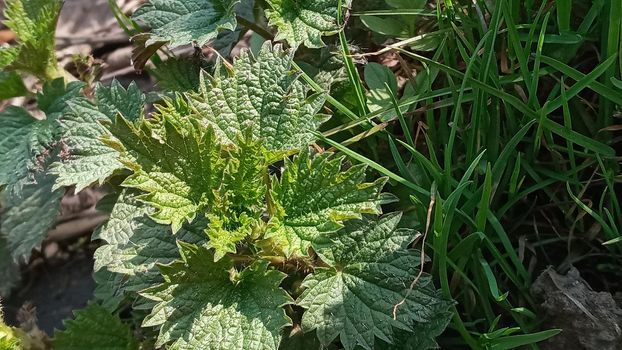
(275, 200)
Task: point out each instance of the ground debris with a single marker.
(589, 319)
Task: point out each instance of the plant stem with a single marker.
(255, 28)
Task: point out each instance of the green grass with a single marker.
(512, 137)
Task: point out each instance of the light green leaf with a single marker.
(136, 244)
(182, 22)
(95, 328)
(34, 23)
(30, 215)
(371, 271)
(314, 196)
(11, 85)
(7, 56)
(203, 305)
(9, 337)
(226, 232)
(262, 95)
(175, 161)
(242, 199)
(303, 22)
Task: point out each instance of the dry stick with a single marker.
(390, 47)
(78, 227)
(422, 257)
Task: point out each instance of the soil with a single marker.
(589, 320)
(55, 287)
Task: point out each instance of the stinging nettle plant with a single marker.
(226, 229)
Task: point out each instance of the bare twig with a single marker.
(77, 227)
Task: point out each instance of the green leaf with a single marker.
(181, 22)
(303, 22)
(382, 85)
(114, 99)
(422, 335)
(96, 329)
(30, 215)
(263, 95)
(371, 271)
(178, 74)
(55, 95)
(22, 139)
(205, 305)
(109, 288)
(34, 23)
(11, 85)
(136, 244)
(86, 159)
(175, 161)
(27, 146)
(314, 197)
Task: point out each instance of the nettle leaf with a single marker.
(26, 141)
(30, 215)
(27, 146)
(114, 99)
(109, 288)
(7, 56)
(263, 95)
(175, 160)
(304, 22)
(11, 85)
(87, 159)
(422, 335)
(136, 244)
(242, 200)
(34, 23)
(178, 74)
(204, 305)
(314, 197)
(371, 271)
(181, 22)
(55, 95)
(95, 328)
(22, 138)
